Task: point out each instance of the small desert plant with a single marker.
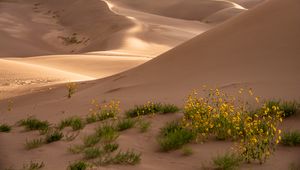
(228, 161)
(169, 108)
(110, 147)
(294, 166)
(32, 123)
(76, 149)
(71, 87)
(53, 136)
(108, 133)
(291, 138)
(75, 122)
(91, 140)
(78, 165)
(144, 126)
(102, 112)
(34, 143)
(128, 157)
(187, 151)
(289, 108)
(5, 128)
(151, 108)
(33, 166)
(125, 124)
(173, 136)
(93, 152)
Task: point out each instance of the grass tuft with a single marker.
(76, 149)
(151, 108)
(125, 124)
(110, 147)
(5, 128)
(32, 123)
(228, 161)
(173, 136)
(187, 151)
(53, 136)
(33, 166)
(127, 158)
(75, 122)
(93, 152)
(291, 138)
(91, 140)
(35, 143)
(144, 126)
(108, 133)
(78, 165)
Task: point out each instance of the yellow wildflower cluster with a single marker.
(106, 110)
(228, 117)
(261, 135)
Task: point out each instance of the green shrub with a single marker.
(125, 124)
(151, 108)
(107, 133)
(75, 122)
(35, 143)
(176, 139)
(170, 128)
(229, 161)
(289, 108)
(128, 157)
(54, 136)
(5, 128)
(91, 140)
(32, 123)
(33, 166)
(291, 138)
(187, 151)
(78, 165)
(110, 147)
(102, 112)
(91, 153)
(144, 126)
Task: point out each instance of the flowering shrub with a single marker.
(101, 112)
(228, 117)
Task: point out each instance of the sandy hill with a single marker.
(190, 9)
(37, 27)
(256, 50)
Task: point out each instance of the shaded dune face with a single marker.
(253, 50)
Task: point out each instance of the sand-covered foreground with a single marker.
(111, 57)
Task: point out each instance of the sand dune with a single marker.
(257, 49)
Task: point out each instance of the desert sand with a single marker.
(137, 51)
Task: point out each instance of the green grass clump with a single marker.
(151, 108)
(53, 136)
(75, 122)
(289, 108)
(108, 133)
(33, 166)
(144, 126)
(79, 165)
(125, 124)
(173, 136)
(110, 147)
(228, 161)
(126, 158)
(32, 123)
(76, 149)
(101, 112)
(187, 151)
(5, 128)
(93, 152)
(291, 138)
(91, 140)
(35, 143)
